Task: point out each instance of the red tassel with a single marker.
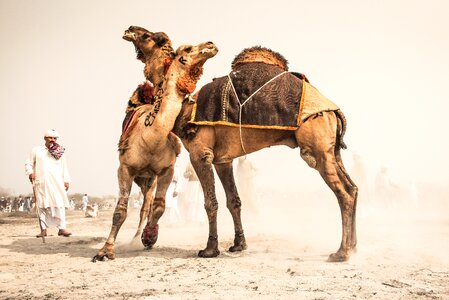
(147, 92)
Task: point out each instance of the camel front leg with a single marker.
(203, 167)
(233, 203)
(151, 231)
(120, 213)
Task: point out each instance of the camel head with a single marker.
(147, 43)
(189, 61)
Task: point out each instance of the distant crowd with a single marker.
(13, 204)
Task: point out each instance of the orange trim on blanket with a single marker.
(193, 114)
(301, 103)
(224, 123)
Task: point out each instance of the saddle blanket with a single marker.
(259, 95)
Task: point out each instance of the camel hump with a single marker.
(261, 55)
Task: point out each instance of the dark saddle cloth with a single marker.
(126, 121)
(276, 105)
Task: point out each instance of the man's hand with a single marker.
(32, 176)
(66, 185)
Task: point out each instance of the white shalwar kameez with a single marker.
(51, 195)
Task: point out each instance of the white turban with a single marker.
(51, 133)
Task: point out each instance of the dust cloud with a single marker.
(293, 206)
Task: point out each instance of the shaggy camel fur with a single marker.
(148, 149)
(319, 138)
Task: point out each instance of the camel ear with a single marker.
(160, 39)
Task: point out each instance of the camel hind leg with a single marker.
(201, 159)
(147, 186)
(351, 186)
(233, 203)
(317, 139)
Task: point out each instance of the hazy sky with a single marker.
(64, 65)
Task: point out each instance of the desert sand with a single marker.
(403, 253)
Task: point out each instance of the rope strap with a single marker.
(247, 99)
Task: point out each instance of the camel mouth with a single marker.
(129, 36)
(210, 49)
(132, 37)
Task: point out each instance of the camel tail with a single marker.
(341, 128)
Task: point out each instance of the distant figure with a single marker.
(85, 202)
(20, 202)
(360, 175)
(46, 168)
(193, 197)
(3, 204)
(245, 174)
(27, 204)
(91, 211)
(14, 204)
(385, 188)
(171, 214)
(72, 204)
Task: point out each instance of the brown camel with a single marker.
(319, 137)
(156, 52)
(148, 149)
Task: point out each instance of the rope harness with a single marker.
(246, 100)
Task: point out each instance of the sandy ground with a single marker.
(402, 254)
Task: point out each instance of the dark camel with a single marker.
(319, 138)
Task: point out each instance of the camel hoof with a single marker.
(107, 252)
(149, 235)
(338, 257)
(237, 248)
(103, 257)
(239, 243)
(208, 253)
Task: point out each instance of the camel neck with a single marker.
(167, 104)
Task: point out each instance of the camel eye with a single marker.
(145, 36)
(188, 49)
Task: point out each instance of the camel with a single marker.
(319, 137)
(147, 148)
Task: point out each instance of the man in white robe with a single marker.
(46, 168)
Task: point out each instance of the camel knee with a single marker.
(347, 201)
(234, 203)
(158, 207)
(207, 156)
(119, 217)
(211, 207)
(354, 191)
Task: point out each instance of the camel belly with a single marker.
(230, 142)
